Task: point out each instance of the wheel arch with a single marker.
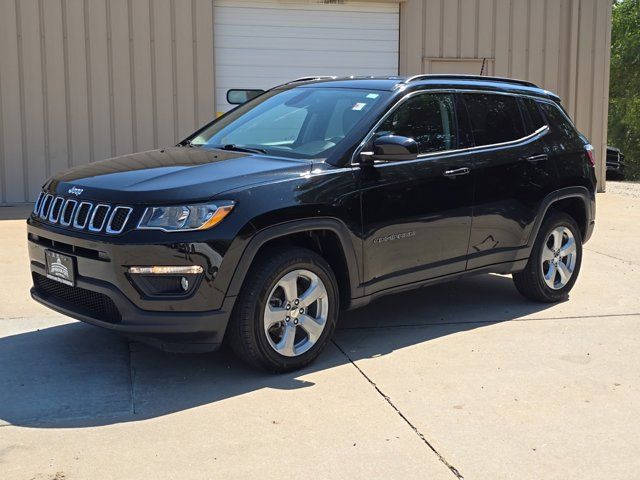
(328, 236)
(575, 201)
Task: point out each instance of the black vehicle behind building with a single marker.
(615, 164)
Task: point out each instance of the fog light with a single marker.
(184, 283)
(167, 270)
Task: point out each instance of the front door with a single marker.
(416, 214)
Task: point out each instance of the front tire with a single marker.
(286, 312)
(555, 261)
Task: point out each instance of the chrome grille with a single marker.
(56, 206)
(36, 207)
(80, 220)
(118, 219)
(46, 206)
(98, 217)
(67, 212)
(73, 214)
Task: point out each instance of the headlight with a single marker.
(185, 217)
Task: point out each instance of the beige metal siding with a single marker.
(561, 45)
(83, 80)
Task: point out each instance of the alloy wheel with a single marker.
(296, 313)
(559, 255)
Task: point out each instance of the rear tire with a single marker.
(554, 264)
(286, 312)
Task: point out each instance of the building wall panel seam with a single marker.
(65, 54)
(45, 93)
(23, 119)
(174, 67)
(154, 87)
(112, 120)
(87, 51)
(132, 78)
(3, 163)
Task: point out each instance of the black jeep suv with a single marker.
(316, 196)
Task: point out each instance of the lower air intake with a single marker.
(93, 304)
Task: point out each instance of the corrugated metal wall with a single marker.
(82, 80)
(561, 45)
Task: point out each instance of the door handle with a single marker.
(457, 172)
(537, 158)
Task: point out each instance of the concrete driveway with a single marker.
(462, 380)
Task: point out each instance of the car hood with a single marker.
(170, 175)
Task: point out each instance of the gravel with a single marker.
(630, 189)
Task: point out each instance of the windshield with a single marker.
(300, 122)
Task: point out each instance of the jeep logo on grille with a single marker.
(76, 191)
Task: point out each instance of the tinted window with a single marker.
(494, 118)
(428, 119)
(558, 123)
(536, 120)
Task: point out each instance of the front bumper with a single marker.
(106, 296)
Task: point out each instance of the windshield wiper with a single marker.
(240, 148)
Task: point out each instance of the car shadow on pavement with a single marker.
(76, 375)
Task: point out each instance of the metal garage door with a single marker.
(260, 44)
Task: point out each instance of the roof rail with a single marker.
(315, 77)
(468, 77)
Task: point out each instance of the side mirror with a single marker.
(238, 96)
(391, 148)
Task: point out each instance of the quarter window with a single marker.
(494, 118)
(559, 123)
(536, 120)
(427, 118)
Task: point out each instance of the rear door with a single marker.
(513, 174)
(416, 215)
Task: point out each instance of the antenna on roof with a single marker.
(484, 60)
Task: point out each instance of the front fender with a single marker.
(336, 226)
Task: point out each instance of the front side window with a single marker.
(427, 118)
(299, 123)
(494, 118)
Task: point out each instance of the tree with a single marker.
(624, 93)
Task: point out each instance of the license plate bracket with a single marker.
(60, 267)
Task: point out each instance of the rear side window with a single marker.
(493, 118)
(427, 118)
(536, 120)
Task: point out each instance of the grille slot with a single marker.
(98, 218)
(82, 215)
(56, 207)
(118, 219)
(67, 212)
(46, 204)
(36, 207)
(80, 300)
